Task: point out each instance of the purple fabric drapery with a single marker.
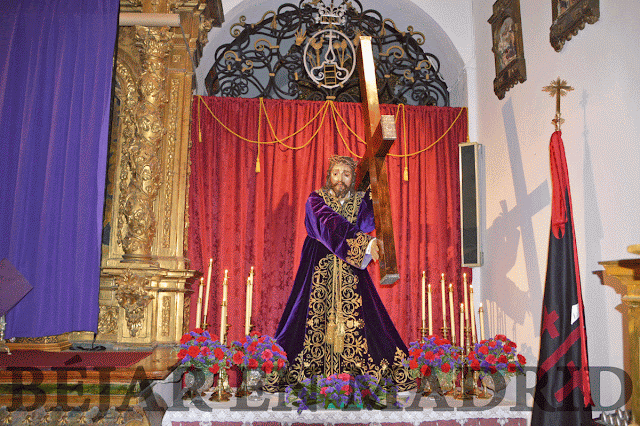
(56, 61)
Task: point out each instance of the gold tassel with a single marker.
(406, 173)
(257, 164)
(330, 333)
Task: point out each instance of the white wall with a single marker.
(603, 154)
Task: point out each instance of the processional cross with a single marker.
(557, 88)
(372, 170)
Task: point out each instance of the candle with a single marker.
(472, 312)
(247, 318)
(444, 309)
(199, 308)
(481, 319)
(223, 310)
(453, 321)
(423, 300)
(466, 307)
(206, 297)
(430, 312)
(462, 313)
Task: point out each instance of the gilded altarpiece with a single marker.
(144, 271)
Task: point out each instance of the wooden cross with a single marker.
(372, 169)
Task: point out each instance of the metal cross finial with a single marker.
(557, 88)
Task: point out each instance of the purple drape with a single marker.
(56, 59)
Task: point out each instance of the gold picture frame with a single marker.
(508, 49)
(569, 17)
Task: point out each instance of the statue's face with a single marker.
(341, 178)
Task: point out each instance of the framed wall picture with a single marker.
(569, 17)
(506, 30)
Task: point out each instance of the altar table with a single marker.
(272, 411)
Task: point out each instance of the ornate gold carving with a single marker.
(166, 315)
(139, 188)
(133, 298)
(108, 320)
(170, 158)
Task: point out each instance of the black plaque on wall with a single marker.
(470, 228)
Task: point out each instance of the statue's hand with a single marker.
(376, 250)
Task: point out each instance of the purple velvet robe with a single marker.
(334, 320)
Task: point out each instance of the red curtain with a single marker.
(242, 218)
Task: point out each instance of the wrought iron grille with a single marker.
(308, 52)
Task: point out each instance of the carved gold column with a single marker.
(144, 270)
(628, 272)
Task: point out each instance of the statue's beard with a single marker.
(340, 189)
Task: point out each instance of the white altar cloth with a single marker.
(272, 410)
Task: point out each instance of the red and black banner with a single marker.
(563, 394)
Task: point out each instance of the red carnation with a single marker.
(254, 333)
(492, 344)
(425, 370)
(365, 393)
(267, 367)
(501, 337)
(204, 350)
(345, 377)
(252, 347)
(199, 330)
(253, 363)
(218, 353)
(491, 359)
(193, 351)
(511, 367)
(492, 369)
(280, 363)
(237, 358)
(472, 355)
(267, 354)
(184, 339)
(214, 368)
(512, 344)
(182, 353)
(507, 348)
(503, 359)
(201, 339)
(483, 350)
(347, 389)
(522, 359)
(413, 364)
(475, 365)
(446, 367)
(429, 355)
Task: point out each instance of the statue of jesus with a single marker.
(334, 321)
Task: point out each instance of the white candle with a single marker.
(462, 325)
(472, 312)
(430, 311)
(423, 299)
(223, 310)
(466, 297)
(453, 321)
(481, 319)
(207, 293)
(247, 318)
(199, 305)
(444, 309)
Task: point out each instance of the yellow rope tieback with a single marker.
(322, 113)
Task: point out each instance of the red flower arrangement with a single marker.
(433, 354)
(199, 349)
(496, 355)
(259, 351)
